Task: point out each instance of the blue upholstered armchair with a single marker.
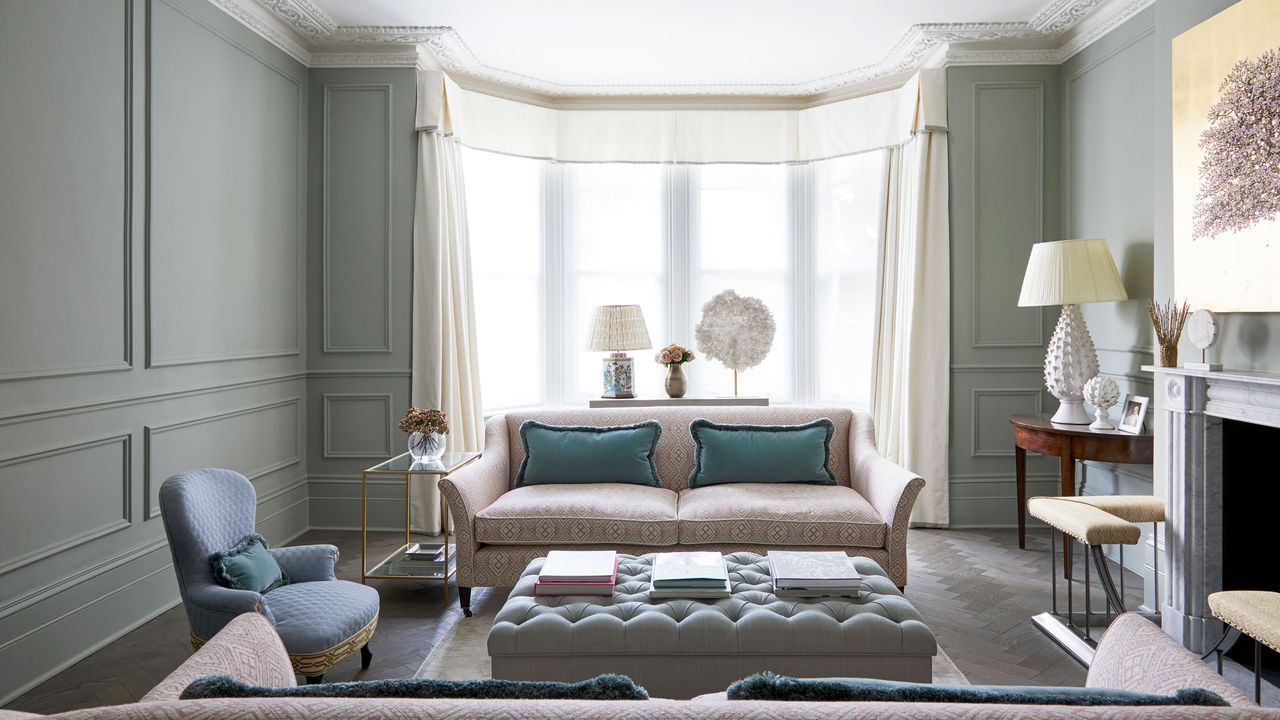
(320, 619)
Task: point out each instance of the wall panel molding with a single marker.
(331, 343)
(976, 339)
(975, 423)
(329, 400)
(153, 360)
(125, 441)
(151, 432)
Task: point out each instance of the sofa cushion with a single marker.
(556, 454)
(601, 687)
(581, 514)
(779, 514)
(767, 686)
(725, 453)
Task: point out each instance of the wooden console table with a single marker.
(1070, 443)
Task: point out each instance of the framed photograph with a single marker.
(1132, 413)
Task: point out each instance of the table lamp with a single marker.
(1070, 273)
(616, 329)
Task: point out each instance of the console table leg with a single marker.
(1068, 488)
(1020, 463)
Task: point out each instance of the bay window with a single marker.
(551, 241)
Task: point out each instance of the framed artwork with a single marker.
(1132, 413)
(1226, 160)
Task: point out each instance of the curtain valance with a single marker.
(845, 127)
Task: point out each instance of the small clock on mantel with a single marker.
(1202, 330)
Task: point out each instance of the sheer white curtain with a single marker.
(445, 364)
(910, 369)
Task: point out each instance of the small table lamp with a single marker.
(616, 329)
(1070, 273)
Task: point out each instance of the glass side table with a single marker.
(403, 466)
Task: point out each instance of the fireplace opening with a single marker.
(1249, 536)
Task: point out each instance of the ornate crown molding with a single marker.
(317, 40)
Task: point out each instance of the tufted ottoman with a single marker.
(682, 648)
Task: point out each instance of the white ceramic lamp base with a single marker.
(1070, 363)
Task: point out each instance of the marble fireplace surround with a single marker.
(1189, 467)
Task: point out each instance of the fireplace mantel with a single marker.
(1189, 467)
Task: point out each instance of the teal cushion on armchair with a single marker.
(556, 454)
(248, 566)
(761, 453)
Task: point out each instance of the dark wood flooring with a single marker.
(974, 588)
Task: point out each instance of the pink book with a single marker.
(560, 589)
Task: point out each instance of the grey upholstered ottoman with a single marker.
(682, 648)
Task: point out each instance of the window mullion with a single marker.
(554, 279)
(801, 209)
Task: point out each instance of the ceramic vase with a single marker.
(426, 446)
(675, 382)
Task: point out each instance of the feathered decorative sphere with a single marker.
(736, 330)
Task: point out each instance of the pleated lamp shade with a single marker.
(616, 328)
(1071, 272)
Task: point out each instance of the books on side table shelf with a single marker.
(423, 559)
(573, 572)
(694, 575)
(813, 574)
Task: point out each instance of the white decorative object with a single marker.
(1070, 273)
(736, 330)
(1101, 392)
(616, 329)
(1202, 330)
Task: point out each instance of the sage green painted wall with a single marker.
(139, 336)
(1108, 156)
(363, 154)
(1003, 141)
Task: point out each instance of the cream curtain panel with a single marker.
(846, 127)
(445, 364)
(910, 372)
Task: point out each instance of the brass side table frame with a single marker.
(403, 466)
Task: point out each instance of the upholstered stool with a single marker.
(1094, 521)
(1255, 613)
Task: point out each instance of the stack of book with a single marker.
(421, 559)
(696, 575)
(813, 574)
(572, 572)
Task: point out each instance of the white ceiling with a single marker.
(597, 48)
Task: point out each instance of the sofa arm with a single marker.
(1135, 654)
(248, 649)
(306, 563)
(890, 488)
(476, 487)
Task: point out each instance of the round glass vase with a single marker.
(675, 383)
(426, 446)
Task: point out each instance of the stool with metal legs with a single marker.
(1255, 613)
(1093, 521)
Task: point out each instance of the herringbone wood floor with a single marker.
(974, 588)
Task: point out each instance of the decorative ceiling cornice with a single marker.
(308, 33)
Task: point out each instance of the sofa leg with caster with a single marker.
(464, 600)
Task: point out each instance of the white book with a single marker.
(688, 569)
(812, 570)
(579, 566)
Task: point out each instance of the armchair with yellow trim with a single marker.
(320, 619)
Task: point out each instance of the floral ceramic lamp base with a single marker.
(619, 376)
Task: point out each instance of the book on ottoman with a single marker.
(689, 575)
(813, 574)
(569, 572)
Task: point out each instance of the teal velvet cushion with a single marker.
(768, 686)
(556, 454)
(601, 687)
(761, 453)
(248, 566)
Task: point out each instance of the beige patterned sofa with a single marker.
(501, 528)
(1133, 655)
